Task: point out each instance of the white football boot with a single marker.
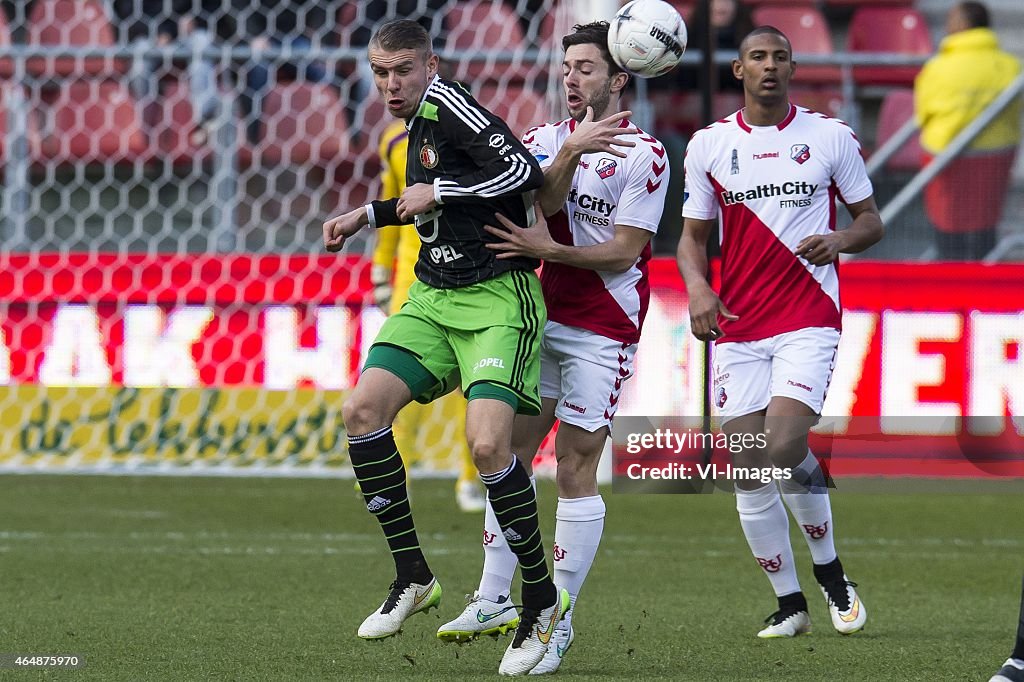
(788, 623)
(404, 600)
(480, 617)
(1012, 671)
(560, 643)
(533, 637)
(847, 610)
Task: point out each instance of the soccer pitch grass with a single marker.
(267, 579)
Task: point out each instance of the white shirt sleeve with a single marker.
(698, 193)
(540, 142)
(643, 196)
(848, 172)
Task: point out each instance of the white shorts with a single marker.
(584, 372)
(797, 365)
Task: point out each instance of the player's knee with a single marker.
(783, 448)
(488, 454)
(360, 416)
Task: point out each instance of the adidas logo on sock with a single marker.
(511, 535)
(377, 503)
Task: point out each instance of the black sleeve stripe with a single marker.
(517, 174)
(462, 109)
(459, 99)
(513, 175)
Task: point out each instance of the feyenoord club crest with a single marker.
(428, 155)
(800, 153)
(605, 168)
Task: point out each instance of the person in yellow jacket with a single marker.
(438, 429)
(954, 87)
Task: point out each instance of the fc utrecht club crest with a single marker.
(735, 163)
(800, 153)
(428, 155)
(606, 168)
(721, 396)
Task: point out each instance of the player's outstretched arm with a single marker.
(865, 231)
(692, 259)
(337, 230)
(589, 137)
(618, 254)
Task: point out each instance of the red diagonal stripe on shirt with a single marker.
(764, 283)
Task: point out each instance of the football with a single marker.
(647, 38)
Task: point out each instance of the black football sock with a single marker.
(515, 506)
(793, 602)
(1018, 650)
(381, 475)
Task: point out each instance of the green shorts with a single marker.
(486, 332)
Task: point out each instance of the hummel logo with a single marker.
(377, 503)
(511, 535)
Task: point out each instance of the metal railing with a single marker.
(959, 143)
(224, 172)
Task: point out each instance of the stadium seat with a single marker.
(808, 32)
(860, 3)
(969, 193)
(348, 13)
(888, 29)
(175, 133)
(481, 27)
(685, 9)
(897, 109)
(825, 100)
(72, 23)
(548, 25)
(93, 121)
(6, 63)
(675, 112)
(302, 123)
(520, 107)
(678, 112)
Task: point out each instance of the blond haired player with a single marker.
(441, 424)
(605, 185)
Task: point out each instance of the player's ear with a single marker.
(433, 63)
(619, 81)
(737, 69)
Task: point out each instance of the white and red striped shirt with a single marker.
(606, 191)
(770, 187)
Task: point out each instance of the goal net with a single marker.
(165, 300)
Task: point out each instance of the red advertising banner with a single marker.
(925, 346)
